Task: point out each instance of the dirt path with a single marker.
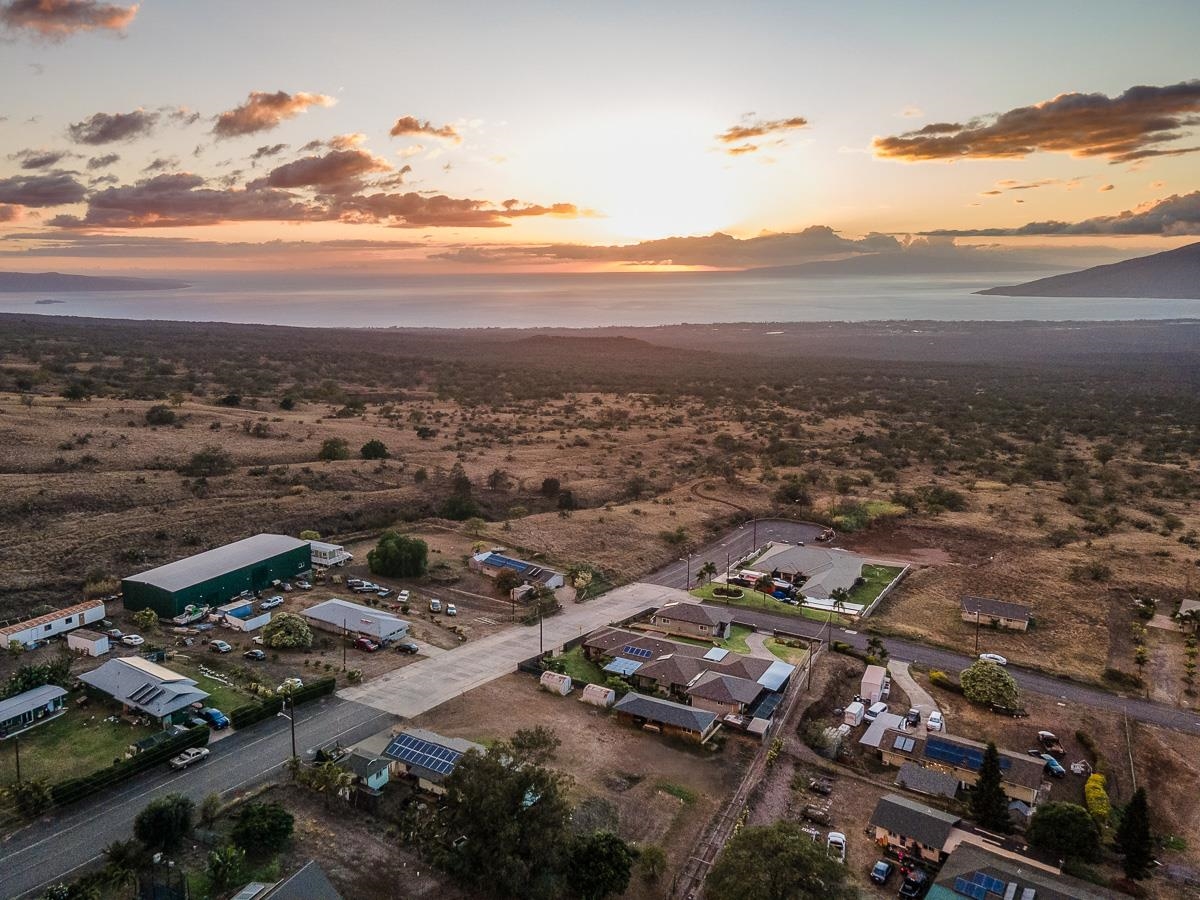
(756, 642)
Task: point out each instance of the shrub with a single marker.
(287, 630)
(374, 449)
(1095, 795)
(165, 822)
(1064, 829)
(160, 414)
(262, 828)
(333, 448)
(942, 680)
(987, 683)
(207, 462)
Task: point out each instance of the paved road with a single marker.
(53, 848)
(427, 683)
(732, 547)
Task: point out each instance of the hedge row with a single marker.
(74, 789)
(250, 713)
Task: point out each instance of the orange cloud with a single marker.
(739, 133)
(56, 20)
(9, 213)
(409, 125)
(263, 111)
(1121, 129)
(1171, 217)
(108, 128)
(337, 172)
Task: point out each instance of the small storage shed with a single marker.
(853, 714)
(873, 681)
(556, 683)
(599, 695)
(88, 642)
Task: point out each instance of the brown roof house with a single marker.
(656, 714)
(694, 620)
(961, 758)
(723, 694)
(995, 613)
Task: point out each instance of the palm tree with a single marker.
(707, 571)
(329, 780)
(765, 585)
(124, 859)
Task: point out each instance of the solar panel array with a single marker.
(978, 886)
(958, 755)
(426, 754)
(639, 652)
(904, 744)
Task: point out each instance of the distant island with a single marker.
(22, 282)
(1172, 275)
(910, 263)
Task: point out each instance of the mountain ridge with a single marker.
(1170, 275)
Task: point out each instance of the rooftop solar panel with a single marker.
(427, 755)
(639, 652)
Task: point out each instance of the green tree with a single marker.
(776, 862)
(225, 867)
(567, 501)
(511, 812)
(989, 803)
(160, 414)
(329, 780)
(651, 861)
(707, 572)
(310, 535)
(207, 462)
(286, 631)
(210, 808)
(498, 480)
(598, 865)
(287, 404)
(333, 448)
(165, 822)
(145, 619)
(374, 449)
(551, 487)
(1065, 830)
(30, 797)
(1133, 840)
(506, 581)
(262, 828)
(399, 556)
(122, 862)
(474, 526)
(985, 682)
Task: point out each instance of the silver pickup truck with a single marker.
(189, 756)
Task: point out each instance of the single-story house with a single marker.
(666, 716)
(872, 686)
(29, 632)
(146, 687)
(693, 620)
(328, 555)
(492, 562)
(426, 757)
(723, 694)
(613, 643)
(911, 829)
(961, 758)
(884, 722)
(933, 782)
(370, 772)
(341, 617)
(996, 613)
(88, 642)
(973, 871)
(817, 571)
(30, 708)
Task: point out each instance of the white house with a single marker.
(88, 642)
(340, 616)
(31, 631)
(324, 554)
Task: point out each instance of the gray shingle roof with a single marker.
(667, 712)
(183, 573)
(999, 609)
(826, 570)
(910, 819)
(725, 688)
(927, 781)
(694, 613)
(967, 859)
(309, 883)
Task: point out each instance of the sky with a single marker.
(548, 136)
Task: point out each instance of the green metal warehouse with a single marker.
(216, 576)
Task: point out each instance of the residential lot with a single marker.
(650, 789)
(81, 740)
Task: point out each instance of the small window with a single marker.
(704, 628)
(69, 619)
(663, 620)
(48, 627)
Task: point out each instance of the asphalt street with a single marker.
(51, 849)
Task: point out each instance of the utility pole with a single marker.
(541, 644)
(976, 632)
(345, 637)
(17, 748)
(754, 539)
(292, 718)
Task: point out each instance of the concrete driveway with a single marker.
(918, 698)
(427, 683)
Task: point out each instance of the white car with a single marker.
(133, 640)
(935, 722)
(289, 685)
(451, 609)
(994, 658)
(402, 597)
(271, 602)
(835, 847)
(189, 756)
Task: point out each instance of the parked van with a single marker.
(435, 606)
(876, 709)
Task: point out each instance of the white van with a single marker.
(876, 709)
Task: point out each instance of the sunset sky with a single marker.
(522, 136)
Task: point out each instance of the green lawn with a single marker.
(76, 743)
(581, 669)
(877, 578)
(793, 655)
(222, 696)
(752, 599)
(735, 642)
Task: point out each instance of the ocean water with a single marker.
(585, 300)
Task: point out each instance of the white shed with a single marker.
(599, 695)
(556, 683)
(873, 681)
(88, 642)
(853, 714)
(29, 632)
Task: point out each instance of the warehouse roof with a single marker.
(356, 618)
(184, 573)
